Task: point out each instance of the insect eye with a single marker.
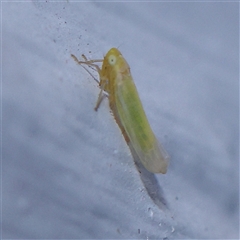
(112, 59)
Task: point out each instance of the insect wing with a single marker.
(134, 120)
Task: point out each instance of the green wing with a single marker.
(136, 125)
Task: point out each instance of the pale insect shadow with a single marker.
(150, 182)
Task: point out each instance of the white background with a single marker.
(66, 169)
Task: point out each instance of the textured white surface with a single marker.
(66, 170)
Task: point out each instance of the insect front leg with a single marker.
(102, 83)
(88, 62)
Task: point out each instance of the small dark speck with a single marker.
(176, 198)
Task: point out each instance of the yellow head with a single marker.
(114, 65)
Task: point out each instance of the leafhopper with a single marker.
(117, 84)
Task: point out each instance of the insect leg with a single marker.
(101, 96)
(88, 62)
(102, 83)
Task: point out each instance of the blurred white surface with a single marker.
(66, 170)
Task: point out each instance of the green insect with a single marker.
(117, 83)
